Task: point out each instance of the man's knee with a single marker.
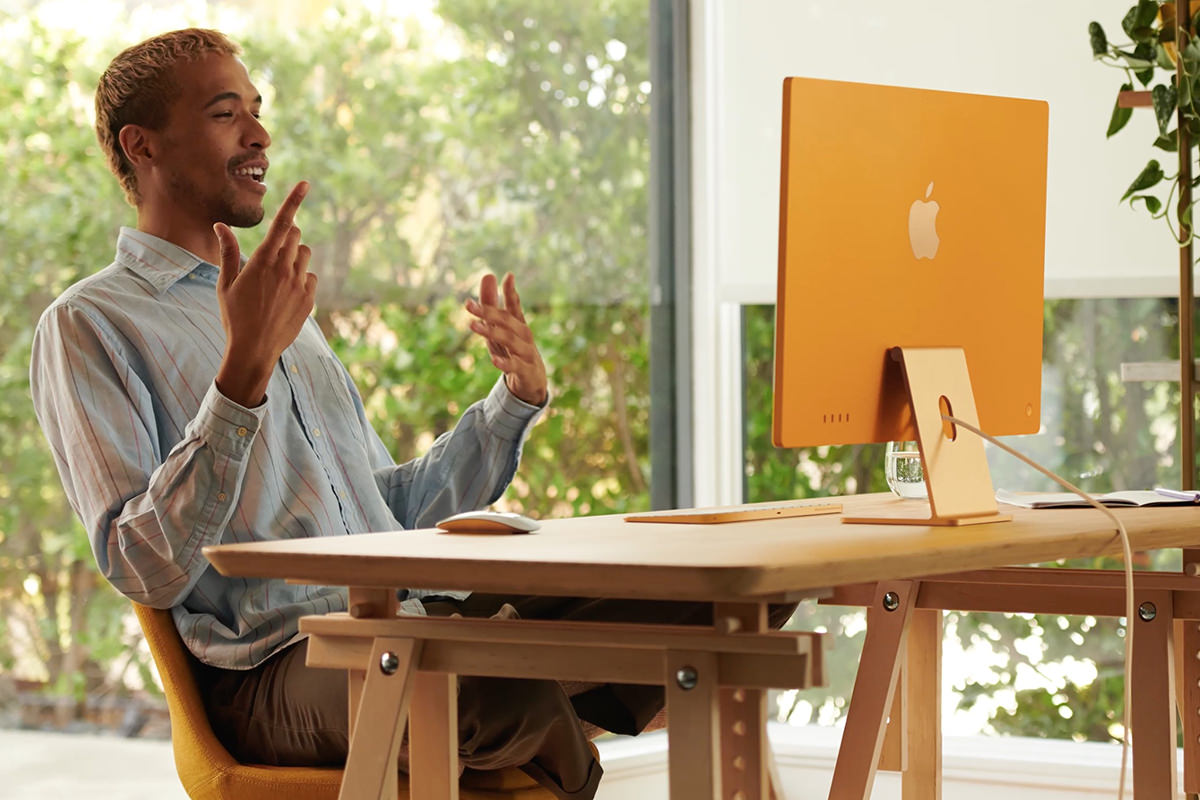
(503, 721)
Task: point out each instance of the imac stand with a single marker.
(953, 462)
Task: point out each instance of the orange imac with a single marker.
(911, 257)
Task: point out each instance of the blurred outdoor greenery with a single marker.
(489, 135)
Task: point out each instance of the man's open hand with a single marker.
(264, 304)
(509, 340)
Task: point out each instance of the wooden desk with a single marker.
(738, 566)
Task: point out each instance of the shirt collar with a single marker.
(155, 260)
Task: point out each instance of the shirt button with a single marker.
(295, 368)
(241, 431)
(316, 431)
(221, 497)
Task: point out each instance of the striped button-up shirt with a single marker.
(157, 463)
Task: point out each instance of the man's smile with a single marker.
(253, 173)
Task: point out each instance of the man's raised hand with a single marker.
(264, 304)
(509, 340)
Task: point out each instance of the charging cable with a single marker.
(1128, 557)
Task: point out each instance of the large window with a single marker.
(442, 140)
(1032, 675)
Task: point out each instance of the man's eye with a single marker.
(224, 114)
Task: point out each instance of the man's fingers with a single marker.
(303, 254)
(488, 295)
(289, 249)
(231, 255)
(512, 300)
(505, 341)
(286, 215)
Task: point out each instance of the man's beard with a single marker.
(224, 208)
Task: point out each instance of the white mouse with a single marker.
(484, 521)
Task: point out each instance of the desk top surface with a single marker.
(608, 557)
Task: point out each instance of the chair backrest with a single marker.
(198, 752)
(206, 769)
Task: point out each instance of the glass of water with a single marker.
(902, 468)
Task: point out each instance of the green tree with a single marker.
(510, 136)
(59, 218)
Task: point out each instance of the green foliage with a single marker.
(58, 223)
(1150, 24)
(508, 136)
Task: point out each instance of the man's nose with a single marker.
(256, 134)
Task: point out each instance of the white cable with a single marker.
(1128, 557)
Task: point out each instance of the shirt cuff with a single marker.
(506, 414)
(226, 426)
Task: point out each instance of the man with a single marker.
(189, 400)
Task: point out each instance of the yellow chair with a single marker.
(207, 770)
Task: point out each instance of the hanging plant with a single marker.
(1150, 59)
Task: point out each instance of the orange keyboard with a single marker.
(711, 516)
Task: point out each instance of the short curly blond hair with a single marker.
(137, 89)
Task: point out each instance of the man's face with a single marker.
(212, 153)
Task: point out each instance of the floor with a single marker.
(41, 766)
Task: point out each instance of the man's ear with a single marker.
(137, 144)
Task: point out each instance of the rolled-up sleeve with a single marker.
(147, 513)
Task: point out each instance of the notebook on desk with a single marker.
(743, 513)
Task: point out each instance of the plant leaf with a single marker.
(1129, 21)
(1191, 52)
(1120, 116)
(1164, 98)
(1147, 10)
(1133, 60)
(1145, 51)
(1098, 38)
(1163, 58)
(1153, 204)
(1149, 176)
(1169, 141)
(1138, 20)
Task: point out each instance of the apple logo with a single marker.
(922, 230)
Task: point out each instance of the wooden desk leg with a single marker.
(354, 679)
(1187, 694)
(894, 755)
(433, 737)
(922, 778)
(382, 713)
(745, 751)
(693, 735)
(874, 687)
(1153, 711)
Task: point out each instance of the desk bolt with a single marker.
(891, 601)
(687, 678)
(1147, 611)
(389, 663)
